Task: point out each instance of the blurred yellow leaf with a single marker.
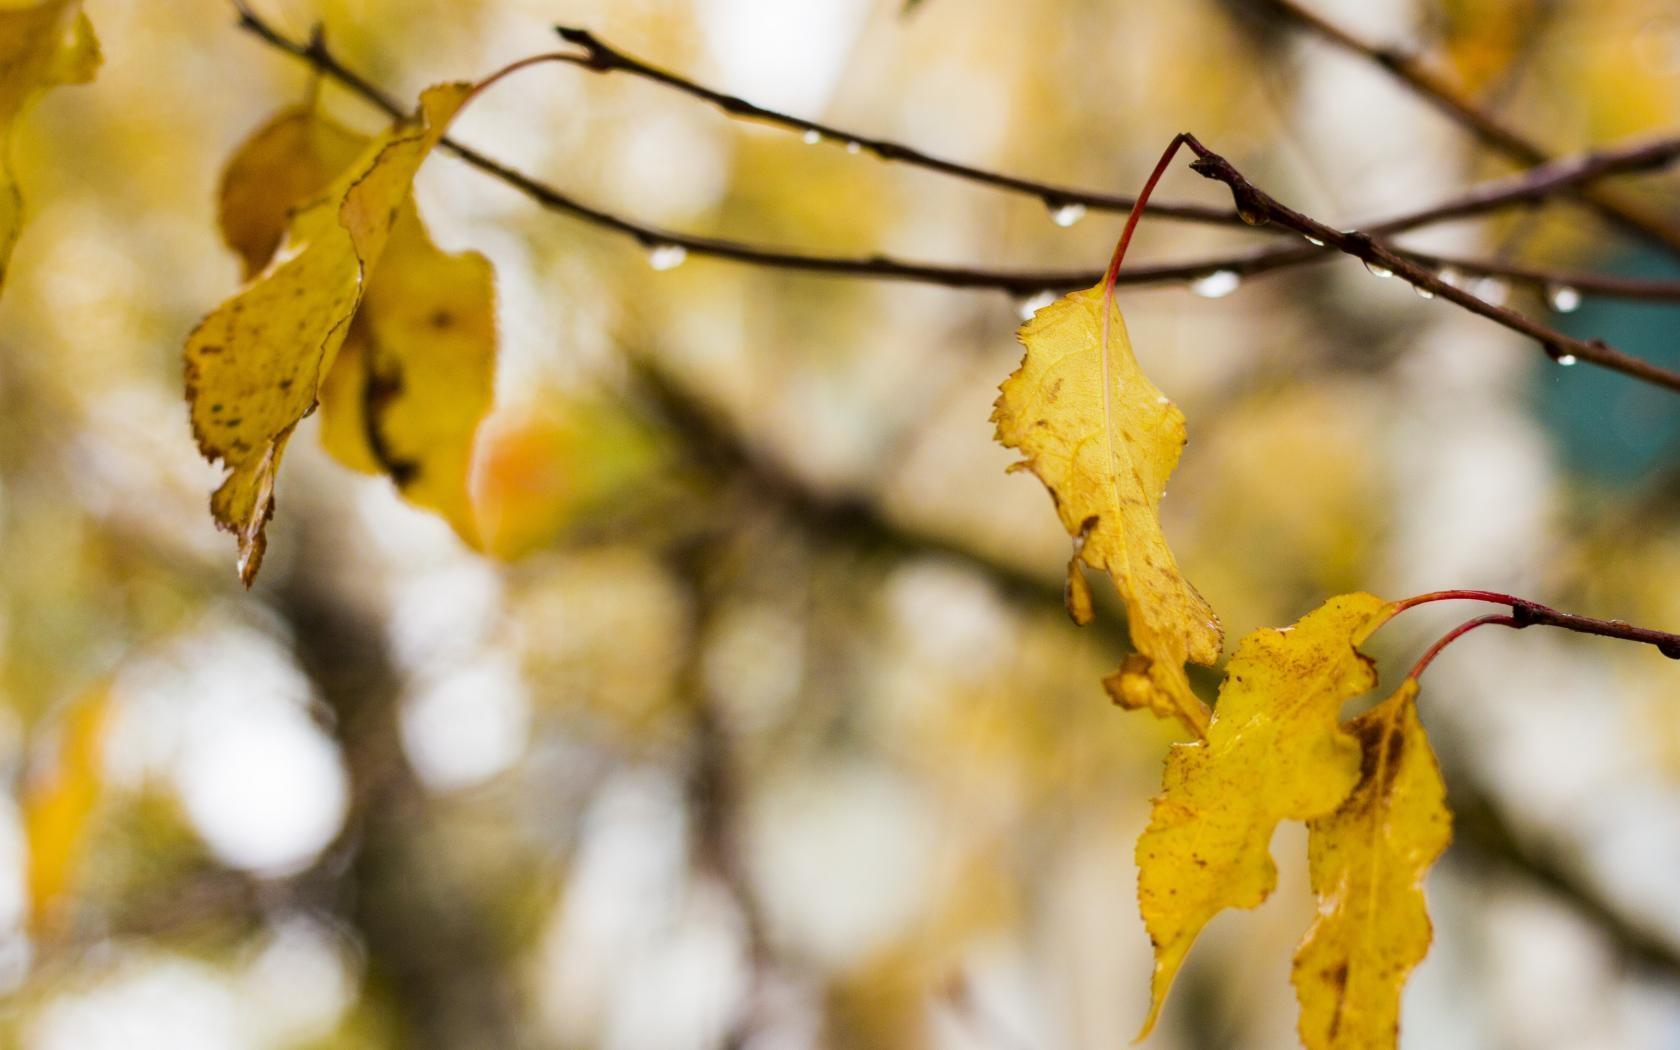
(281, 165)
(1275, 751)
(255, 365)
(42, 45)
(542, 468)
(1368, 859)
(417, 375)
(1104, 440)
(57, 806)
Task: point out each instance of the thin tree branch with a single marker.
(1525, 613)
(1382, 259)
(1431, 87)
(1030, 282)
(1531, 187)
(1550, 280)
(604, 58)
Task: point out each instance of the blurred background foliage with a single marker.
(765, 727)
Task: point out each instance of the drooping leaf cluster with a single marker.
(1104, 440)
(349, 306)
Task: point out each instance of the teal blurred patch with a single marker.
(1607, 426)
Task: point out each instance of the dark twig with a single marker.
(1530, 187)
(1017, 282)
(1525, 613)
(1431, 87)
(1382, 259)
(604, 58)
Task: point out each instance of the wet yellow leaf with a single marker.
(42, 45)
(255, 365)
(415, 374)
(1275, 751)
(58, 805)
(1104, 440)
(1367, 860)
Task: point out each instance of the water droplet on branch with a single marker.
(1563, 298)
(811, 138)
(1216, 285)
(1422, 292)
(854, 147)
(1314, 241)
(1066, 214)
(667, 256)
(1491, 290)
(1032, 304)
(1377, 269)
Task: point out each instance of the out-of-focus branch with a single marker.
(715, 783)
(1029, 282)
(1382, 259)
(430, 958)
(1483, 837)
(1492, 132)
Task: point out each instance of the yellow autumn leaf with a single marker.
(417, 375)
(58, 805)
(414, 376)
(1367, 860)
(1275, 751)
(1104, 440)
(42, 45)
(255, 365)
(281, 165)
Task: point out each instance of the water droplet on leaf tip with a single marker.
(1563, 298)
(1065, 215)
(1216, 285)
(811, 138)
(1377, 269)
(854, 147)
(1032, 304)
(667, 256)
